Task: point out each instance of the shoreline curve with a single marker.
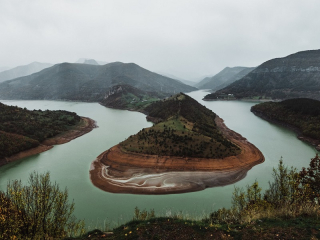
(86, 125)
(119, 172)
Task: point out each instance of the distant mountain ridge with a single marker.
(223, 78)
(297, 75)
(24, 70)
(85, 82)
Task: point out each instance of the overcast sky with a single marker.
(188, 39)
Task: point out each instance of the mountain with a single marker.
(87, 61)
(24, 70)
(294, 76)
(85, 82)
(4, 69)
(90, 61)
(223, 78)
(187, 82)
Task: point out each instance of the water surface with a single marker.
(69, 163)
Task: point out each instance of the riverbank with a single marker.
(125, 172)
(86, 125)
(300, 136)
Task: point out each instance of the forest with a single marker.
(300, 113)
(22, 129)
(184, 128)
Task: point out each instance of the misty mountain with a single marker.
(3, 68)
(85, 82)
(24, 70)
(87, 61)
(294, 76)
(187, 82)
(223, 78)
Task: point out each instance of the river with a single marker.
(69, 163)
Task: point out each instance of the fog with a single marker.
(187, 39)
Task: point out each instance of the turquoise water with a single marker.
(69, 163)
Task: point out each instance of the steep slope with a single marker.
(225, 77)
(24, 70)
(301, 114)
(297, 75)
(188, 149)
(85, 82)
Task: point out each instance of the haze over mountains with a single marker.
(297, 75)
(24, 70)
(223, 78)
(91, 61)
(87, 82)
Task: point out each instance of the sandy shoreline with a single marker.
(120, 172)
(84, 127)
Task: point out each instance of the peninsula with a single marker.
(189, 148)
(300, 114)
(24, 133)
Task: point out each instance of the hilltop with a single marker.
(24, 132)
(301, 115)
(189, 144)
(294, 76)
(86, 82)
(223, 78)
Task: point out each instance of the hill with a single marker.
(123, 96)
(294, 76)
(24, 70)
(301, 114)
(188, 147)
(22, 129)
(85, 82)
(223, 78)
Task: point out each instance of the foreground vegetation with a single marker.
(288, 209)
(22, 129)
(39, 210)
(184, 128)
(301, 113)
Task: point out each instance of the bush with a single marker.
(290, 194)
(39, 210)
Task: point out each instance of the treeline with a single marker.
(22, 129)
(301, 113)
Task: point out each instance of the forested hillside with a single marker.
(301, 113)
(184, 128)
(22, 129)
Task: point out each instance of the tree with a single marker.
(311, 177)
(44, 209)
